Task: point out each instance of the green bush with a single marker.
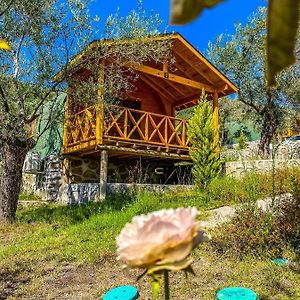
(251, 232)
(203, 146)
(262, 234)
(242, 141)
(288, 220)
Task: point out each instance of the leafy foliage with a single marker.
(46, 38)
(241, 56)
(252, 232)
(283, 18)
(263, 234)
(242, 140)
(204, 147)
(185, 11)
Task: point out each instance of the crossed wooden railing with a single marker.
(123, 124)
(144, 127)
(81, 127)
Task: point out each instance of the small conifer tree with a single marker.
(203, 147)
(242, 140)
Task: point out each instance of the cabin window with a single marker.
(132, 104)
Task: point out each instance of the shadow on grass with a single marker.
(73, 214)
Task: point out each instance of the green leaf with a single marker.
(282, 24)
(185, 11)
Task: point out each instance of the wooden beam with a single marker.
(191, 99)
(183, 70)
(144, 152)
(166, 94)
(178, 90)
(171, 77)
(66, 121)
(216, 120)
(166, 69)
(100, 105)
(207, 63)
(192, 65)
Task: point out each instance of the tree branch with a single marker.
(43, 99)
(16, 57)
(7, 8)
(250, 103)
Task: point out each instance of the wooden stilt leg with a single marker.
(103, 174)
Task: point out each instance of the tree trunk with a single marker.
(271, 120)
(13, 156)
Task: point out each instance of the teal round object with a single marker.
(236, 293)
(124, 292)
(280, 261)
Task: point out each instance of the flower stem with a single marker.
(155, 287)
(167, 288)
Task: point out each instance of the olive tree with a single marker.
(45, 36)
(241, 57)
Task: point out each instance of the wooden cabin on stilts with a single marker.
(101, 142)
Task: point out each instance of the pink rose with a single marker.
(161, 238)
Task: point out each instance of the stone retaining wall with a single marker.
(279, 151)
(240, 168)
(89, 192)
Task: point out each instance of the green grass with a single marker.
(55, 235)
(26, 196)
(85, 232)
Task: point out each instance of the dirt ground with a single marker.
(49, 280)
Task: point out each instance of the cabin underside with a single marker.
(127, 168)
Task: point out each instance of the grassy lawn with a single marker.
(58, 252)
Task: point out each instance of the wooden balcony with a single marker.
(124, 128)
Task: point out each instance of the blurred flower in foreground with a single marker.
(160, 242)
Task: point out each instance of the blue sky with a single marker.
(211, 23)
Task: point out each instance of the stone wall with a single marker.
(279, 151)
(83, 170)
(53, 177)
(80, 183)
(240, 168)
(89, 192)
(45, 180)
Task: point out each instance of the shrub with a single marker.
(263, 234)
(251, 232)
(288, 220)
(203, 146)
(242, 141)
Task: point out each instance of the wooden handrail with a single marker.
(126, 124)
(145, 127)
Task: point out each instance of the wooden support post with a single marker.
(166, 69)
(216, 120)
(66, 123)
(66, 170)
(103, 174)
(100, 106)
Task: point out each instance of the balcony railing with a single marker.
(86, 129)
(131, 125)
(81, 127)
